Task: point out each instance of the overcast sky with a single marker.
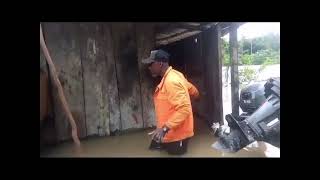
(256, 29)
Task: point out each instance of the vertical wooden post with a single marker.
(218, 74)
(213, 70)
(234, 70)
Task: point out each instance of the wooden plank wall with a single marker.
(111, 79)
(63, 44)
(105, 84)
(94, 78)
(127, 75)
(145, 43)
(48, 134)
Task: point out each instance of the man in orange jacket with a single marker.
(172, 105)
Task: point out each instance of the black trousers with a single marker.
(176, 148)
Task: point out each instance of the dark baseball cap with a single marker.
(157, 56)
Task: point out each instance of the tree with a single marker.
(261, 56)
(226, 58)
(262, 51)
(225, 53)
(247, 59)
(247, 75)
(269, 41)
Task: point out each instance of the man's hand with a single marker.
(158, 135)
(195, 98)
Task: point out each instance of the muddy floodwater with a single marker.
(135, 144)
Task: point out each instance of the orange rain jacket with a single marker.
(173, 105)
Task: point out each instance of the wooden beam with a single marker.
(187, 26)
(176, 38)
(234, 70)
(170, 27)
(213, 69)
(173, 35)
(225, 27)
(205, 26)
(190, 30)
(201, 27)
(167, 28)
(218, 101)
(193, 23)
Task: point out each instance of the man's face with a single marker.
(155, 68)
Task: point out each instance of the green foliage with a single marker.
(247, 75)
(246, 59)
(268, 61)
(225, 53)
(269, 41)
(272, 57)
(262, 51)
(265, 49)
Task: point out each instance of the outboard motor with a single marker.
(260, 120)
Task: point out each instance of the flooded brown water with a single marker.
(135, 144)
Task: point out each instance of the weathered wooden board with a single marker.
(44, 96)
(213, 68)
(63, 44)
(94, 77)
(145, 43)
(127, 75)
(43, 65)
(234, 70)
(111, 79)
(217, 74)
